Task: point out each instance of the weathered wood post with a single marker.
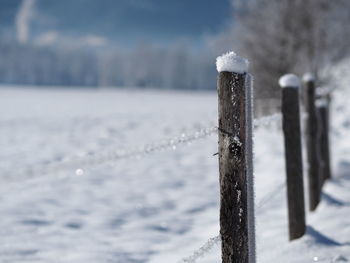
(235, 160)
(312, 143)
(322, 105)
(290, 85)
(328, 97)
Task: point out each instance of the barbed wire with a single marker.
(268, 197)
(79, 163)
(199, 253)
(267, 120)
(211, 242)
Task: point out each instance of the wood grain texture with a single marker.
(233, 168)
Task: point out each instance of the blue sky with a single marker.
(125, 21)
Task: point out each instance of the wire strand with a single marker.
(211, 242)
(267, 120)
(96, 158)
(199, 253)
(93, 159)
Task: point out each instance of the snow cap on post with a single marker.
(321, 92)
(230, 62)
(289, 81)
(308, 77)
(321, 103)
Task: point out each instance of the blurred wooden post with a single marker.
(235, 167)
(312, 143)
(322, 105)
(328, 125)
(293, 155)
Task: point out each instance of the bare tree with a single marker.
(281, 36)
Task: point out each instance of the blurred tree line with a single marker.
(277, 36)
(174, 67)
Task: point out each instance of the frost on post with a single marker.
(249, 165)
(235, 159)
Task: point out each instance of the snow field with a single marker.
(158, 208)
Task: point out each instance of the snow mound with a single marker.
(231, 62)
(290, 81)
(308, 77)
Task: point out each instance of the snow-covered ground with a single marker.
(159, 207)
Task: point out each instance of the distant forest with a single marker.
(173, 67)
(277, 36)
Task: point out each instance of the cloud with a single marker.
(23, 18)
(95, 41)
(47, 38)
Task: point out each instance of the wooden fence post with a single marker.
(312, 143)
(235, 160)
(328, 125)
(322, 105)
(290, 85)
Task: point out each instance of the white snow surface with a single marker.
(231, 62)
(289, 81)
(158, 208)
(307, 77)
